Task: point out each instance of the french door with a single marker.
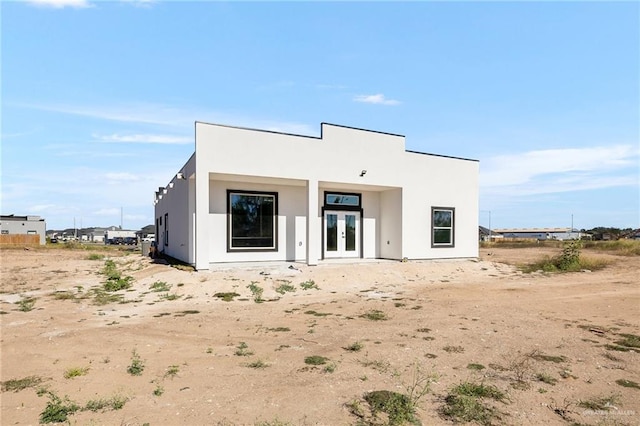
(341, 234)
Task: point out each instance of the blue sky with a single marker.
(99, 98)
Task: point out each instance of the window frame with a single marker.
(341, 207)
(451, 228)
(230, 238)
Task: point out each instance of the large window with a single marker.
(442, 226)
(252, 220)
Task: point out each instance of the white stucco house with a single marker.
(257, 195)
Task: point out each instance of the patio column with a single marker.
(313, 226)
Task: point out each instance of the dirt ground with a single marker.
(440, 317)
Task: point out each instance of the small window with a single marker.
(341, 199)
(252, 219)
(5, 231)
(442, 225)
(32, 232)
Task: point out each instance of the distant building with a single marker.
(23, 225)
(540, 233)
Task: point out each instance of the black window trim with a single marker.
(275, 222)
(453, 228)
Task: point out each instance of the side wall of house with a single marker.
(174, 218)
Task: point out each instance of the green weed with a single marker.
(137, 364)
(354, 347)
(628, 383)
(26, 304)
(284, 288)
(160, 286)
(115, 402)
(600, 404)
(257, 291)
(308, 285)
(241, 350)
(227, 297)
(316, 360)
(16, 385)
(375, 315)
(72, 372)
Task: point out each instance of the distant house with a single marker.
(22, 225)
(486, 234)
(259, 195)
(540, 234)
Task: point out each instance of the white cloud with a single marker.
(560, 170)
(376, 99)
(144, 138)
(59, 4)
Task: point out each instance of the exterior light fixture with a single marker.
(180, 175)
(170, 184)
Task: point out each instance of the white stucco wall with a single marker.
(398, 191)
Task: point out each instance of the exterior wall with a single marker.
(24, 225)
(291, 228)
(175, 212)
(398, 188)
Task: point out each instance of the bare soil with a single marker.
(441, 316)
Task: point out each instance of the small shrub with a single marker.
(116, 402)
(330, 368)
(57, 410)
(284, 288)
(227, 297)
(258, 364)
(479, 390)
(599, 404)
(170, 296)
(241, 350)
(375, 315)
(545, 378)
(16, 385)
(158, 391)
(317, 314)
(72, 372)
(477, 367)
(279, 329)
(629, 341)
(316, 360)
(95, 256)
(26, 304)
(397, 406)
(453, 349)
(308, 285)
(354, 347)
(464, 403)
(117, 284)
(257, 291)
(137, 364)
(628, 383)
(160, 286)
(63, 295)
(549, 358)
(172, 371)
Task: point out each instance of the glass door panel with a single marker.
(350, 232)
(331, 232)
